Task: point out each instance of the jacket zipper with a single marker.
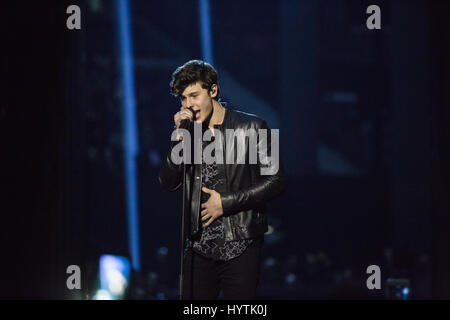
(200, 195)
(223, 131)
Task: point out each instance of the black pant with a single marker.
(238, 277)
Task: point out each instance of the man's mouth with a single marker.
(196, 113)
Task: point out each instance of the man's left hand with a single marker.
(211, 209)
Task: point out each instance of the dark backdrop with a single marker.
(364, 130)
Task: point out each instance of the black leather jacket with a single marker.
(244, 210)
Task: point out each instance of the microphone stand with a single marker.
(182, 234)
(183, 237)
(183, 231)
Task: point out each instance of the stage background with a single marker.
(363, 116)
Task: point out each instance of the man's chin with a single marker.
(200, 120)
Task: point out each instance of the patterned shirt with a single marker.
(212, 242)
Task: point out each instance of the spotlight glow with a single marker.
(102, 295)
(114, 276)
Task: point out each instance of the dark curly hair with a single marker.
(191, 72)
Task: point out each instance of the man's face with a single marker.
(199, 99)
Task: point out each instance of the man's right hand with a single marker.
(181, 115)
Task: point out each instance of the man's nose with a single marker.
(189, 102)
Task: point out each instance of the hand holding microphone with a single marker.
(183, 118)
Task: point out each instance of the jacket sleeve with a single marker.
(265, 188)
(170, 174)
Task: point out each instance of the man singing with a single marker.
(224, 200)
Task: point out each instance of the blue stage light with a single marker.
(205, 30)
(114, 274)
(405, 293)
(129, 124)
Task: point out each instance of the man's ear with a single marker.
(213, 91)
